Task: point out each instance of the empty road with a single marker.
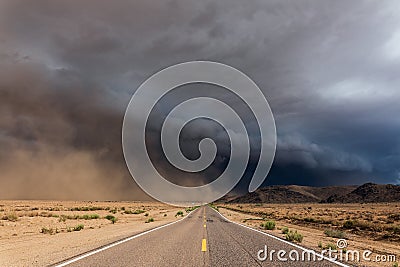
(203, 238)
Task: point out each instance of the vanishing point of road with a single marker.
(203, 238)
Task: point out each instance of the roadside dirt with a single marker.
(40, 233)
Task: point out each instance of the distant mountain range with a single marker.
(366, 193)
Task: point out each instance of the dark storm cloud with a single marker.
(330, 70)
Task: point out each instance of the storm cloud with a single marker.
(329, 69)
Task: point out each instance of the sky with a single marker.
(329, 70)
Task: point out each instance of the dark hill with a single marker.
(369, 193)
(331, 194)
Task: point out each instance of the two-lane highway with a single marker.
(203, 238)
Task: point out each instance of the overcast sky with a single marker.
(329, 69)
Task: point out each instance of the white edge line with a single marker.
(286, 242)
(85, 255)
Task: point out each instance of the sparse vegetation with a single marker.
(396, 229)
(330, 246)
(348, 224)
(149, 220)
(179, 213)
(191, 209)
(294, 236)
(138, 211)
(285, 230)
(63, 218)
(310, 220)
(12, 217)
(335, 233)
(111, 218)
(90, 208)
(134, 212)
(49, 231)
(268, 225)
(78, 227)
(395, 217)
(213, 206)
(90, 216)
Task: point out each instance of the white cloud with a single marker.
(357, 90)
(391, 49)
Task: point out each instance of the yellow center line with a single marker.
(204, 245)
(204, 225)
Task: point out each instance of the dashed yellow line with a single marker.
(204, 225)
(204, 245)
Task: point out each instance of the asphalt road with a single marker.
(203, 238)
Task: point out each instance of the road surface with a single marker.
(203, 238)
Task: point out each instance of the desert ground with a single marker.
(40, 233)
(374, 227)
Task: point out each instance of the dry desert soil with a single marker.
(40, 233)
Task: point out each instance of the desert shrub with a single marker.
(191, 208)
(138, 211)
(213, 206)
(62, 218)
(46, 214)
(134, 212)
(310, 220)
(320, 244)
(149, 220)
(91, 208)
(12, 217)
(33, 214)
(294, 236)
(78, 227)
(330, 246)
(285, 230)
(335, 233)
(396, 229)
(268, 225)
(45, 230)
(111, 218)
(349, 224)
(165, 215)
(179, 213)
(90, 216)
(395, 217)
